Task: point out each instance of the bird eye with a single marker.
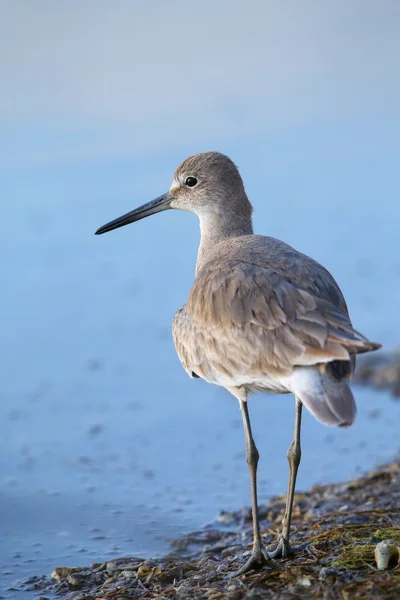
(191, 181)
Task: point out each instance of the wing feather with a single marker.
(252, 318)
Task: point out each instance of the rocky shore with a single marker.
(342, 523)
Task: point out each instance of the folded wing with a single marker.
(245, 318)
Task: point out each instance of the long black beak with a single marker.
(150, 208)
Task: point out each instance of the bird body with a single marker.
(264, 316)
(260, 316)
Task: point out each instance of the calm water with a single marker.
(106, 446)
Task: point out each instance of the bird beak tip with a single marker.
(159, 204)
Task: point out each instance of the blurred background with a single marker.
(107, 448)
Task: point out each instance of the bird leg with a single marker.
(283, 549)
(259, 556)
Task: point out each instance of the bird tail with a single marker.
(324, 390)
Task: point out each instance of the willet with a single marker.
(260, 317)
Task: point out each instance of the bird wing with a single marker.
(243, 317)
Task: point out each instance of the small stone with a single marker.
(226, 518)
(231, 550)
(235, 585)
(387, 554)
(304, 581)
(73, 581)
(61, 573)
(326, 572)
(143, 572)
(127, 574)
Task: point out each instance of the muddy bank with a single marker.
(342, 524)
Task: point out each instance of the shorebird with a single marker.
(260, 316)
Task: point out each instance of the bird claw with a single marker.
(284, 549)
(259, 558)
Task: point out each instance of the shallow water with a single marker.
(106, 446)
(125, 479)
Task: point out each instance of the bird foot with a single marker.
(258, 559)
(284, 549)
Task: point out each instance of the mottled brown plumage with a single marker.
(248, 317)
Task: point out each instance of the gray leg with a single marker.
(283, 550)
(259, 556)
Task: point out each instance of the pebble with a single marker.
(128, 574)
(387, 554)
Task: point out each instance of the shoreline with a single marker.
(342, 524)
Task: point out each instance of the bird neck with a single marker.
(215, 228)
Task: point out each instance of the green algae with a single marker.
(358, 548)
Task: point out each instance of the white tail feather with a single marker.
(329, 400)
